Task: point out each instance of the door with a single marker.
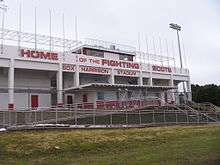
(69, 100)
(34, 101)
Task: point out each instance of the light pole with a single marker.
(178, 28)
(3, 8)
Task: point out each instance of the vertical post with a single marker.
(168, 61)
(35, 116)
(140, 122)
(126, 116)
(76, 28)
(41, 116)
(160, 44)
(35, 28)
(173, 53)
(75, 115)
(76, 74)
(187, 116)
(19, 30)
(147, 46)
(198, 115)
(181, 63)
(153, 116)
(111, 119)
(94, 116)
(3, 121)
(207, 118)
(56, 117)
(11, 85)
(112, 77)
(176, 116)
(16, 117)
(154, 46)
(9, 118)
(2, 35)
(50, 30)
(60, 86)
(164, 116)
(179, 48)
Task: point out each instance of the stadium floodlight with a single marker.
(175, 26)
(178, 28)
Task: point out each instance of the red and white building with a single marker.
(43, 71)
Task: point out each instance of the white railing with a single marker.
(109, 45)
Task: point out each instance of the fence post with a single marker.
(140, 117)
(176, 116)
(126, 116)
(15, 117)
(111, 119)
(187, 117)
(41, 116)
(35, 116)
(153, 116)
(198, 117)
(164, 116)
(94, 116)
(207, 118)
(9, 116)
(56, 116)
(3, 118)
(75, 115)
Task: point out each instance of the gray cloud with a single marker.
(121, 20)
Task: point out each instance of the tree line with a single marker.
(206, 93)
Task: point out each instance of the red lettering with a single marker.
(161, 68)
(39, 54)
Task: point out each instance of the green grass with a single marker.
(171, 145)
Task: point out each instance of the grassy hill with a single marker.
(160, 145)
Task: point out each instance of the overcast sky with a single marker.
(122, 20)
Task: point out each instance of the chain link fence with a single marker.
(93, 117)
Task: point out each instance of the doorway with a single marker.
(34, 101)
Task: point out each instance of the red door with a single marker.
(34, 101)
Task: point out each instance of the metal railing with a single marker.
(93, 117)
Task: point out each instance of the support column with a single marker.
(112, 77)
(140, 80)
(11, 85)
(60, 86)
(189, 90)
(172, 90)
(151, 79)
(76, 76)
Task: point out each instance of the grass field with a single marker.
(180, 145)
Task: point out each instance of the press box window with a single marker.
(100, 95)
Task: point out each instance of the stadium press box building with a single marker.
(92, 74)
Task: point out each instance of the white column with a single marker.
(140, 78)
(60, 86)
(76, 76)
(172, 90)
(11, 85)
(189, 90)
(112, 77)
(151, 79)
